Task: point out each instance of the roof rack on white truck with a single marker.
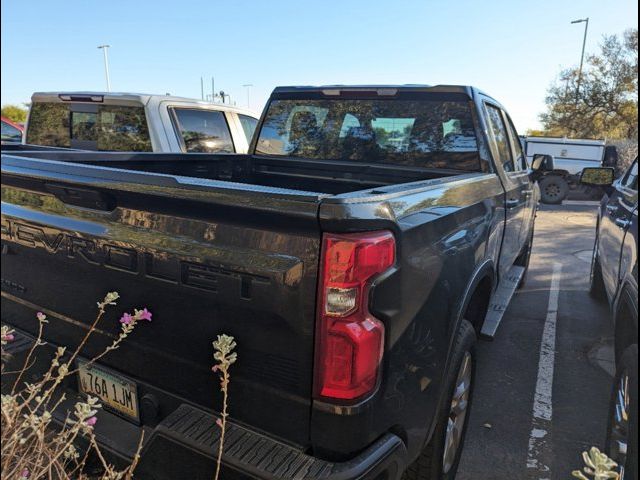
(571, 156)
(109, 121)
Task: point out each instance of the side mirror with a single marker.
(542, 162)
(597, 177)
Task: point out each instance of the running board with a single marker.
(500, 301)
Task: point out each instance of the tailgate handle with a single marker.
(81, 197)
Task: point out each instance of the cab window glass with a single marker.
(499, 133)
(248, 126)
(49, 125)
(204, 131)
(107, 128)
(516, 147)
(123, 129)
(429, 131)
(630, 179)
(10, 133)
(83, 126)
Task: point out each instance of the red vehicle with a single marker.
(11, 131)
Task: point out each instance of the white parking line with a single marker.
(542, 403)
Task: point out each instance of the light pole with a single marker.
(584, 43)
(104, 49)
(248, 87)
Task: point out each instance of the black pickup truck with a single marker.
(356, 255)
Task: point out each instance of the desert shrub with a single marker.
(597, 466)
(33, 447)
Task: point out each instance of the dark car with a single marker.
(11, 131)
(614, 278)
(356, 255)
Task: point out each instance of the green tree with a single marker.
(14, 113)
(606, 103)
(532, 132)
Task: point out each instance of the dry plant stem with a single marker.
(66, 365)
(225, 376)
(86, 337)
(12, 372)
(26, 362)
(111, 347)
(225, 357)
(136, 458)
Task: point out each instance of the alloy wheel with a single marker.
(458, 413)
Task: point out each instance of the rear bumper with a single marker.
(192, 435)
(184, 445)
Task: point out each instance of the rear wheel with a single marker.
(440, 458)
(622, 431)
(553, 189)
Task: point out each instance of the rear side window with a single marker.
(248, 125)
(203, 131)
(91, 127)
(499, 133)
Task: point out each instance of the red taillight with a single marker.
(350, 339)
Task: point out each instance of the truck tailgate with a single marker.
(204, 257)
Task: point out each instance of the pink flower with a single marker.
(215, 368)
(127, 318)
(25, 473)
(9, 337)
(144, 314)
(91, 421)
(41, 316)
(219, 422)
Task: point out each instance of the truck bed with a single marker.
(323, 177)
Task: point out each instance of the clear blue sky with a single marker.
(511, 49)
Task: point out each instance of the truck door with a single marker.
(615, 220)
(516, 185)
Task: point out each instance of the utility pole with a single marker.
(213, 91)
(104, 49)
(248, 87)
(584, 43)
(201, 88)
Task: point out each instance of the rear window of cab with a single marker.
(92, 127)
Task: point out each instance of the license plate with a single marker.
(116, 392)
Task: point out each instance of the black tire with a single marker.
(430, 463)
(553, 189)
(627, 368)
(596, 282)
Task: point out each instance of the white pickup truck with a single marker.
(571, 156)
(137, 123)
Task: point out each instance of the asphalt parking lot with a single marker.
(542, 387)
